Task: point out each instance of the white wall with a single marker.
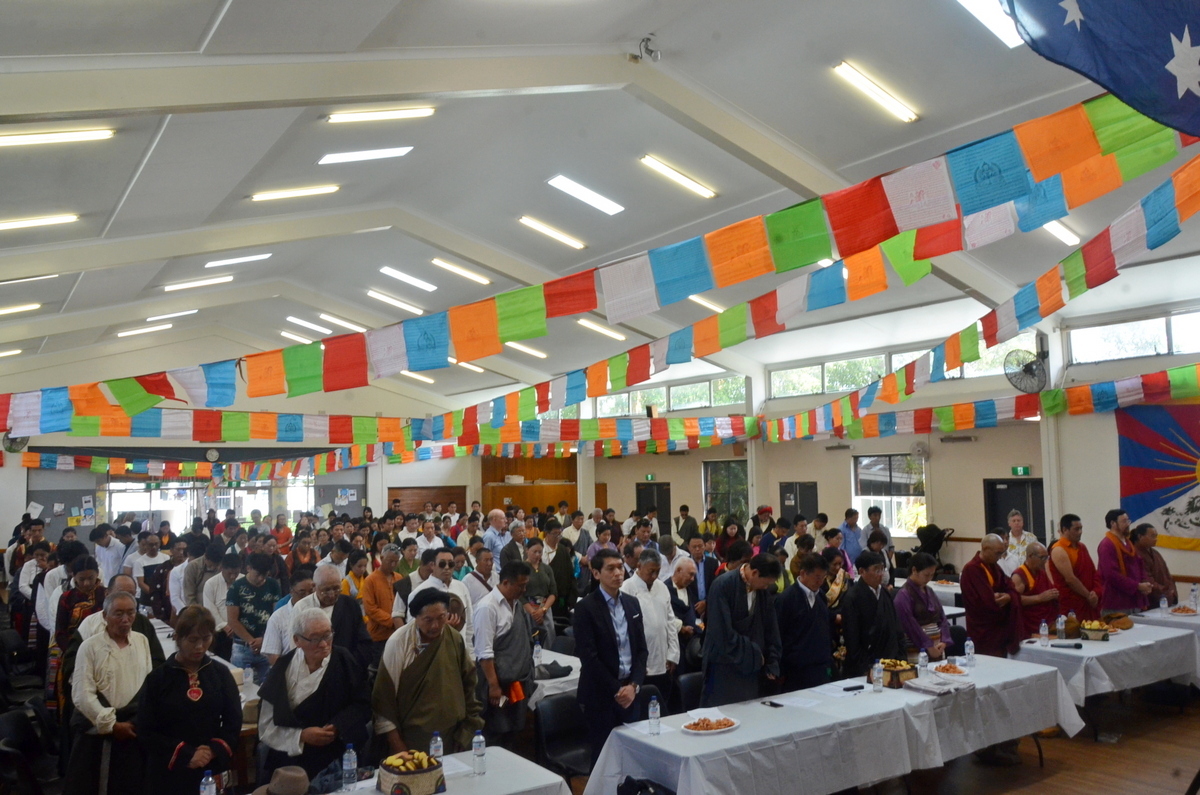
(13, 480)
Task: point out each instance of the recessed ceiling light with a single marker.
(302, 322)
(9, 310)
(707, 304)
(199, 283)
(293, 193)
(379, 115)
(10, 353)
(583, 321)
(236, 260)
(396, 302)
(526, 349)
(585, 195)
(549, 231)
(1034, 418)
(337, 321)
(1062, 233)
(372, 229)
(70, 136)
(994, 19)
(404, 277)
(295, 337)
(423, 378)
(45, 220)
(171, 315)
(461, 271)
(145, 330)
(366, 154)
(29, 279)
(676, 176)
(875, 92)
(825, 263)
(473, 368)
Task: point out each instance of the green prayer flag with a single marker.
(395, 459)
(589, 429)
(854, 429)
(731, 325)
(1117, 125)
(1054, 401)
(132, 396)
(802, 425)
(1183, 382)
(365, 430)
(945, 418)
(235, 426)
(772, 432)
(456, 422)
(847, 411)
(968, 343)
(488, 434)
(676, 429)
(527, 404)
(84, 426)
(320, 464)
(899, 251)
(704, 441)
(1075, 274)
(1147, 154)
(521, 313)
(188, 469)
(651, 445)
(618, 367)
(752, 427)
(99, 464)
(798, 236)
(302, 369)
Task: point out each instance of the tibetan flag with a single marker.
(1054, 143)
(639, 365)
(826, 287)
(739, 252)
(157, 384)
(221, 378)
(597, 379)
(521, 314)
(939, 239)
(867, 274)
(345, 362)
(706, 337)
(798, 236)
(860, 216)
(1049, 292)
(762, 314)
(681, 270)
(731, 326)
(475, 330)
(302, 369)
(1098, 262)
(265, 374)
(427, 342)
(132, 396)
(571, 295)
(899, 251)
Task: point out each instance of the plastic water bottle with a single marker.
(1044, 633)
(923, 664)
(877, 677)
(1195, 597)
(537, 654)
(349, 768)
(436, 749)
(1162, 606)
(1060, 627)
(208, 785)
(479, 753)
(655, 714)
(247, 676)
(969, 648)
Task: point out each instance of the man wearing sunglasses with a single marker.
(442, 578)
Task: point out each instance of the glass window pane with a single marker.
(1119, 341)
(648, 397)
(612, 405)
(1185, 333)
(901, 359)
(569, 412)
(851, 374)
(991, 360)
(727, 391)
(690, 396)
(726, 489)
(799, 381)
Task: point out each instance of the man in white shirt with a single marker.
(580, 539)
(452, 512)
(429, 538)
(590, 524)
(658, 619)
(108, 552)
(442, 578)
(213, 599)
(670, 556)
(1018, 541)
(337, 556)
(179, 560)
(411, 529)
(799, 530)
(496, 537)
(481, 581)
(257, 524)
(504, 653)
(278, 640)
(564, 514)
(874, 515)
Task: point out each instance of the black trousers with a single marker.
(603, 717)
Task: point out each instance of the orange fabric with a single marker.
(1091, 179)
(203, 469)
(1187, 189)
(475, 330)
(837, 414)
(988, 571)
(964, 415)
(1029, 578)
(739, 252)
(1054, 143)
(116, 425)
(867, 274)
(31, 460)
(390, 429)
(607, 428)
(870, 425)
(597, 379)
(512, 408)
(1049, 291)
(889, 392)
(377, 595)
(1079, 400)
(953, 352)
(265, 374)
(706, 337)
(1123, 551)
(263, 425)
(116, 466)
(510, 433)
(691, 426)
(1071, 550)
(89, 401)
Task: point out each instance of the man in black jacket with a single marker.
(559, 556)
(706, 572)
(804, 627)
(741, 637)
(869, 620)
(611, 643)
(344, 613)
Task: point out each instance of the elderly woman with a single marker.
(313, 704)
(1145, 539)
(84, 597)
(833, 540)
(921, 615)
(190, 712)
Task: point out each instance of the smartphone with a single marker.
(771, 704)
(503, 701)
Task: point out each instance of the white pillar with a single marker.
(585, 483)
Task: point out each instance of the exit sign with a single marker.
(1020, 470)
(649, 477)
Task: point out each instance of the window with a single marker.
(1119, 341)
(991, 360)
(726, 489)
(566, 413)
(640, 398)
(690, 396)
(894, 483)
(850, 374)
(612, 405)
(797, 381)
(728, 391)
(901, 359)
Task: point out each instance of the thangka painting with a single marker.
(1160, 470)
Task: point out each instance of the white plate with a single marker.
(942, 673)
(1184, 615)
(736, 723)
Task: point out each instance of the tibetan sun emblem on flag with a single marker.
(1160, 470)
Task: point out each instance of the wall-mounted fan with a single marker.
(919, 450)
(15, 444)
(1026, 370)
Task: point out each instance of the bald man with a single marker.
(496, 537)
(1038, 596)
(993, 607)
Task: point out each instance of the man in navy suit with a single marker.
(611, 644)
(803, 620)
(706, 572)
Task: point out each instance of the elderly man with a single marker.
(1039, 598)
(1125, 584)
(313, 703)
(496, 537)
(869, 621)
(706, 573)
(670, 556)
(109, 672)
(658, 621)
(406, 585)
(803, 616)
(1018, 543)
(1145, 539)
(343, 612)
(485, 577)
(576, 534)
(993, 612)
(1073, 572)
(426, 681)
(741, 638)
(377, 598)
(278, 640)
(504, 654)
(514, 550)
(461, 605)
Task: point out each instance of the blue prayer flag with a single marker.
(681, 270)
(1161, 214)
(985, 414)
(221, 378)
(56, 410)
(427, 342)
(826, 287)
(289, 428)
(148, 424)
(988, 173)
(1044, 203)
(576, 387)
(679, 346)
(1025, 303)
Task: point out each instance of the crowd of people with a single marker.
(382, 632)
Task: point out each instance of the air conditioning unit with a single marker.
(514, 480)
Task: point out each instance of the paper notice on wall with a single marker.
(34, 510)
(59, 509)
(325, 509)
(74, 521)
(352, 494)
(88, 510)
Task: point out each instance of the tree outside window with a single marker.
(727, 489)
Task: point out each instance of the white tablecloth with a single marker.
(1135, 657)
(948, 595)
(507, 774)
(552, 687)
(953, 614)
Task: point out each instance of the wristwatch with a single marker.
(637, 689)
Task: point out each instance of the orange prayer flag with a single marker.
(475, 330)
(1187, 189)
(1079, 399)
(1054, 143)
(512, 408)
(203, 469)
(739, 252)
(264, 425)
(115, 425)
(89, 401)
(867, 274)
(31, 460)
(870, 426)
(837, 414)
(390, 429)
(510, 433)
(964, 416)
(116, 466)
(1091, 179)
(265, 375)
(953, 352)
(607, 427)
(706, 337)
(889, 391)
(1049, 292)
(691, 426)
(597, 379)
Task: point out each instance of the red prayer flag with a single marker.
(990, 327)
(639, 365)
(1156, 387)
(1027, 406)
(206, 426)
(571, 295)
(923, 421)
(1099, 264)
(345, 362)
(939, 239)
(170, 471)
(569, 430)
(341, 429)
(659, 429)
(762, 315)
(543, 396)
(1187, 140)
(738, 426)
(860, 216)
(156, 384)
(5, 400)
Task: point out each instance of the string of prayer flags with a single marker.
(629, 290)
(265, 374)
(131, 395)
(899, 251)
(988, 173)
(638, 370)
(798, 236)
(706, 337)
(1049, 292)
(221, 378)
(571, 295)
(921, 195)
(680, 270)
(157, 384)
(826, 287)
(427, 342)
(739, 252)
(475, 330)
(860, 216)
(1098, 263)
(1054, 143)
(521, 313)
(302, 369)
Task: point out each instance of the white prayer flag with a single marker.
(921, 195)
(316, 428)
(988, 226)
(1006, 321)
(387, 350)
(629, 290)
(790, 298)
(176, 424)
(25, 413)
(193, 382)
(1128, 236)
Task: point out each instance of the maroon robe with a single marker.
(1032, 616)
(995, 630)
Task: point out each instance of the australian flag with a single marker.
(1146, 52)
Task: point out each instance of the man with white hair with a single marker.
(344, 613)
(596, 518)
(313, 703)
(659, 621)
(461, 604)
(496, 537)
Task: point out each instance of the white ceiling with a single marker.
(744, 99)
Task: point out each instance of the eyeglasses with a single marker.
(445, 564)
(327, 638)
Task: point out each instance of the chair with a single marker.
(44, 722)
(688, 688)
(19, 748)
(958, 638)
(564, 644)
(16, 651)
(562, 741)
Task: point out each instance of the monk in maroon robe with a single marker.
(1038, 596)
(993, 607)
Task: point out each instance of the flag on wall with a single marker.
(1159, 457)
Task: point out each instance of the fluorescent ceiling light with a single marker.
(396, 302)
(45, 220)
(145, 330)
(343, 323)
(704, 302)
(845, 272)
(473, 368)
(676, 176)
(404, 277)
(199, 283)
(423, 378)
(9, 310)
(1062, 233)
(992, 16)
(875, 92)
(825, 263)
(526, 349)
(10, 353)
(549, 231)
(379, 115)
(236, 260)
(70, 136)
(171, 315)
(366, 154)
(293, 193)
(372, 229)
(295, 337)
(583, 321)
(585, 195)
(1034, 418)
(301, 322)
(29, 279)
(461, 271)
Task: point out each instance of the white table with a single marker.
(1133, 658)
(1153, 617)
(507, 774)
(948, 595)
(953, 614)
(553, 687)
